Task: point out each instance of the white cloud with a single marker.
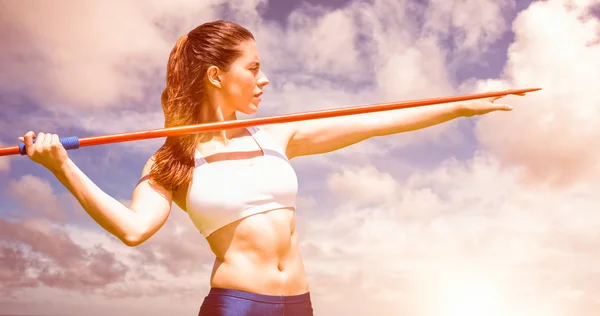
(4, 161)
(475, 24)
(364, 185)
(37, 195)
(134, 282)
(79, 65)
(553, 132)
(462, 221)
(325, 44)
(416, 72)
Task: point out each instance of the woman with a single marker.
(237, 186)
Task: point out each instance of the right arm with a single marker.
(150, 204)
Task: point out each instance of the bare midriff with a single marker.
(259, 254)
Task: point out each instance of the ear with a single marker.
(213, 74)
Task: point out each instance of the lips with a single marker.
(258, 94)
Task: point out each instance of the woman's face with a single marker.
(242, 85)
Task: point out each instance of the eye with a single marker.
(255, 67)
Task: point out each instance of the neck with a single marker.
(222, 115)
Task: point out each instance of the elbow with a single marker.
(133, 240)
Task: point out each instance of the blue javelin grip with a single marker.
(67, 142)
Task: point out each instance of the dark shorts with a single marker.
(227, 302)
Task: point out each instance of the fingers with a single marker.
(29, 136)
(43, 141)
(47, 140)
(39, 141)
(28, 140)
(503, 107)
(497, 97)
(55, 140)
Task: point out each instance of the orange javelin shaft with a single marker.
(209, 127)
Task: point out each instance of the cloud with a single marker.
(365, 185)
(472, 25)
(82, 67)
(40, 260)
(552, 132)
(37, 195)
(177, 247)
(322, 41)
(4, 161)
(41, 250)
(71, 63)
(35, 253)
(389, 49)
(440, 230)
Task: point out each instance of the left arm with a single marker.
(326, 135)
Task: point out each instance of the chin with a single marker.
(250, 109)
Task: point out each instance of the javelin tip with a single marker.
(533, 89)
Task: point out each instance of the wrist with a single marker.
(459, 109)
(62, 168)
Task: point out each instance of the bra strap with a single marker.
(253, 130)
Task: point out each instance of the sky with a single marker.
(495, 215)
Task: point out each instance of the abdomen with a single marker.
(259, 254)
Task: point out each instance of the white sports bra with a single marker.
(224, 191)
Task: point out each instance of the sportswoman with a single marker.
(237, 186)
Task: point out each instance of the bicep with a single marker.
(326, 135)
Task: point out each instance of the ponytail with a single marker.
(174, 160)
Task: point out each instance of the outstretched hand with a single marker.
(484, 106)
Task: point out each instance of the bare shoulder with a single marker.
(145, 182)
(280, 133)
(296, 137)
(148, 166)
(146, 171)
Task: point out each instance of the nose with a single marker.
(263, 80)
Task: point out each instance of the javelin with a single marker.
(74, 142)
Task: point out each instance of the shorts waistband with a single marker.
(275, 299)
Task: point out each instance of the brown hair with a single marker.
(213, 43)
